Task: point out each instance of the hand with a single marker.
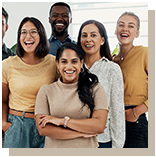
(129, 115)
(88, 135)
(49, 119)
(6, 126)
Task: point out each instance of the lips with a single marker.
(69, 72)
(28, 43)
(89, 46)
(59, 24)
(124, 35)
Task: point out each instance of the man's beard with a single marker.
(59, 33)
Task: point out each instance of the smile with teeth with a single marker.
(124, 35)
(29, 42)
(59, 24)
(69, 72)
(89, 46)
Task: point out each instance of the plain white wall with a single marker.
(18, 10)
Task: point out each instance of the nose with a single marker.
(125, 28)
(28, 35)
(88, 38)
(69, 66)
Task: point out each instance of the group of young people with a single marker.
(82, 97)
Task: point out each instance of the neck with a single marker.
(31, 59)
(91, 59)
(62, 37)
(124, 49)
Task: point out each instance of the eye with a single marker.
(54, 15)
(93, 35)
(83, 35)
(120, 25)
(23, 32)
(74, 61)
(63, 61)
(65, 16)
(131, 26)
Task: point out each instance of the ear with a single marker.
(49, 20)
(137, 34)
(57, 63)
(6, 27)
(82, 61)
(103, 41)
(70, 20)
(115, 32)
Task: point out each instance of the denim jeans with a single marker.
(105, 145)
(22, 133)
(137, 133)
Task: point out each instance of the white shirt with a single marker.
(111, 78)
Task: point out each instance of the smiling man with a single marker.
(60, 17)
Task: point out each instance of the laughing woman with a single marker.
(22, 76)
(73, 110)
(133, 61)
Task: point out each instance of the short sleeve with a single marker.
(42, 105)
(100, 99)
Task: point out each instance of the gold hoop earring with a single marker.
(82, 70)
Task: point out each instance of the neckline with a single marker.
(127, 55)
(67, 86)
(31, 64)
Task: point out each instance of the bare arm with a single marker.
(94, 125)
(140, 109)
(5, 107)
(58, 132)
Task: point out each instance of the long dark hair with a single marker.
(43, 47)
(105, 49)
(86, 79)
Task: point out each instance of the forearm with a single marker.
(94, 125)
(58, 132)
(140, 109)
(5, 110)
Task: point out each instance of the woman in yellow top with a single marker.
(22, 76)
(133, 61)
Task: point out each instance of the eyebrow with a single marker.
(128, 23)
(91, 32)
(71, 59)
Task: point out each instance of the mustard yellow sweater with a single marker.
(135, 73)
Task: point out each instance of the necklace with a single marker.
(122, 58)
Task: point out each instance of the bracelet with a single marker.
(135, 114)
(66, 119)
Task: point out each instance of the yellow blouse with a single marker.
(135, 73)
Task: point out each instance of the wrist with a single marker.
(134, 113)
(66, 119)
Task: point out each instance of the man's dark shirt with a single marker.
(6, 52)
(55, 43)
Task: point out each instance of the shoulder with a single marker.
(98, 87)
(50, 57)
(141, 49)
(49, 87)
(9, 60)
(112, 66)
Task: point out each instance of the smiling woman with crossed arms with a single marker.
(73, 110)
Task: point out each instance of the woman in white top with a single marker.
(93, 40)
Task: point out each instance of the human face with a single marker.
(28, 42)
(60, 19)
(126, 29)
(4, 26)
(69, 66)
(91, 39)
